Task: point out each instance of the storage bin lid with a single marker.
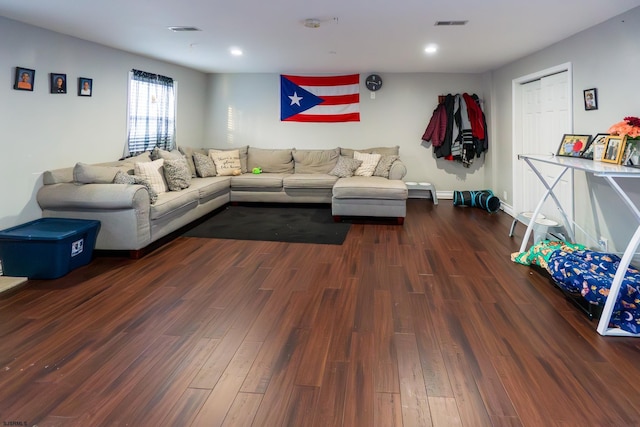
(48, 229)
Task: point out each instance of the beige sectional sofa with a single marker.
(141, 211)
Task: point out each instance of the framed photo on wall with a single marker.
(58, 83)
(613, 149)
(573, 145)
(85, 86)
(25, 79)
(591, 99)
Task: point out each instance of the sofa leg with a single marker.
(136, 254)
(337, 218)
(400, 220)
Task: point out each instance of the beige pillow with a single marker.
(90, 174)
(227, 162)
(369, 163)
(153, 173)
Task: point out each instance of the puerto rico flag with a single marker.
(320, 99)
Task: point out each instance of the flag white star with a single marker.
(295, 99)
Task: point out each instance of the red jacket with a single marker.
(437, 126)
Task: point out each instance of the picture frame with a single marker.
(573, 145)
(25, 79)
(591, 99)
(58, 82)
(85, 86)
(631, 153)
(613, 149)
(597, 141)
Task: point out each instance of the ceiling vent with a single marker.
(450, 23)
(184, 29)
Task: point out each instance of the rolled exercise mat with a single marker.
(483, 199)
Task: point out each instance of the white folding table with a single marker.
(611, 173)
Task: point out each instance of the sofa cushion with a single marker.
(177, 174)
(309, 180)
(211, 186)
(369, 163)
(124, 178)
(173, 201)
(384, 165)
(345, 167)
(263, 180)
(315, 161)
(188, 154)
(91, 174)
(152, 172)
(204, 165)
(140, 158)
(391, 151)
(227, 162)
(373, 187)
(270, 161)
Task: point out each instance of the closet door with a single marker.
(546, 118)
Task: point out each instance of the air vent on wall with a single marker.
(450, 23)
(182, 29)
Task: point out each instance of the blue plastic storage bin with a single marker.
(47, 248)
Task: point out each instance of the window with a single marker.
(152, 113)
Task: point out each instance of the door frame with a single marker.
(516, 125)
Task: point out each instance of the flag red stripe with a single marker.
(341, 99)
(324, 80)
(351, 117)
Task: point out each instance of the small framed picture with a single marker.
(573, 145)
(58, 83)
(85, 86)
(631, 153)
(613, 149)
(25, 78)
(597, 144)
(591, 99)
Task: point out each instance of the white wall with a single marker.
(606, 57)
(244, 109)
(42, 131)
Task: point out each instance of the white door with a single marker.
(545, 117)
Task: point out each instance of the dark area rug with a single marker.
(276, 223)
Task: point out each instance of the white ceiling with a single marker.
(354, 35)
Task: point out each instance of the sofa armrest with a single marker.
(67, 196)
(398, 170)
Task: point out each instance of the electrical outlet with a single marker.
(603, 242)
(504, 195)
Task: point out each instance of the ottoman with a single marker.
(373, 196)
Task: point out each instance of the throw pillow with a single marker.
(188, 154)
(384, 166)
(90, 174)
(204, 165)
(158, 153)
(369, 163)
(125, 178)
(152, 172)
(345, 167)
(227, 162)
(177, 174)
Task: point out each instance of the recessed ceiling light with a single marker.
(183, 29)
(235, 51)
(431, 49)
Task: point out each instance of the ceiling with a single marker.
(353, 36)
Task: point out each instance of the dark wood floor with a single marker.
(424, 324)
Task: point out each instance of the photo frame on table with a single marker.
(85, 86)
(58, 83)
(591, 99)
(597, 141)
(631, 153)
(25, 79)
(613, 149)
(573, 145)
